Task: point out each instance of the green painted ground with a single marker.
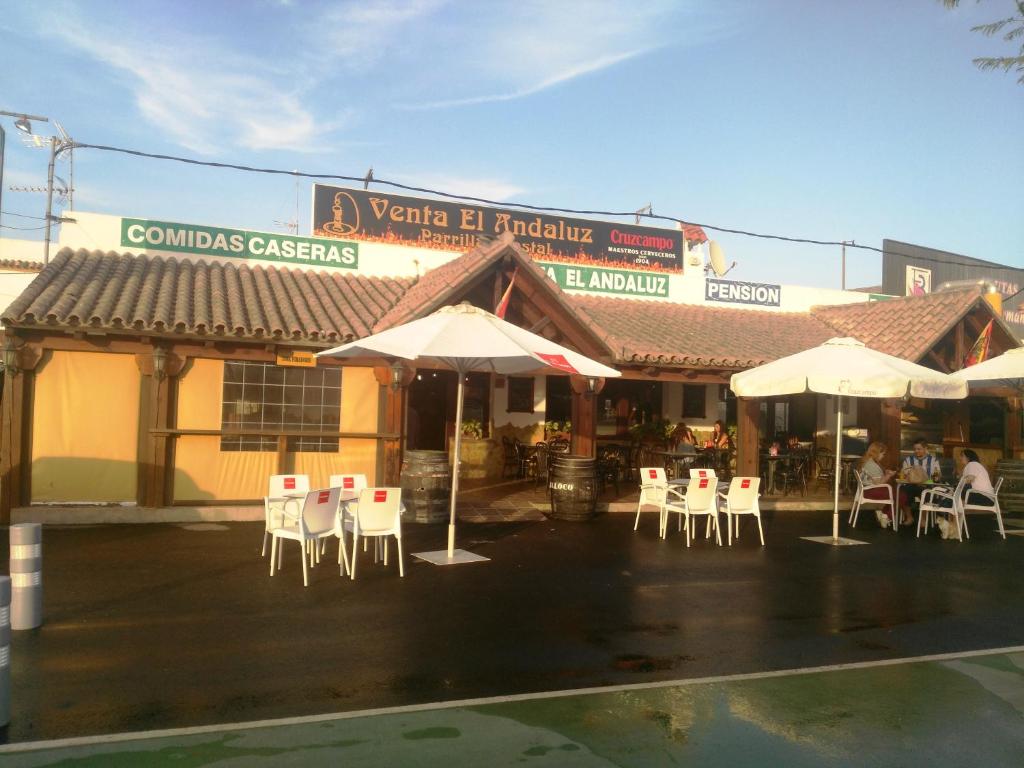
(927, 713)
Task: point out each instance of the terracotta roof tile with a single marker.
(21, 265)
(906, 327)
(198, 298)
(688, 335)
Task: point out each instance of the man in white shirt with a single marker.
(909, 493)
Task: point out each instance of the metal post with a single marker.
(3, 151)
(844, 267)
(49, 199)
(5, 650)
(459, 397)
(836, 467)
(26, 575)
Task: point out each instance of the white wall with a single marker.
(672, 405)
(501, 415)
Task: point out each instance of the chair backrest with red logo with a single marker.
(700, 494)
(350, 485)
(650, 476)
(700, 472)
(320, 509)
(282, 484)
(378, 510)
(743, 492)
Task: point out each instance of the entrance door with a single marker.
(428, 410)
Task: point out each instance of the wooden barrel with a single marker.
(572, 485)
(1011, 494)
(426, 486)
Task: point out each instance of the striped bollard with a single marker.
(5, 650)
(26, 575)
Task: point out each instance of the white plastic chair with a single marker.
(653, 481)
(742, 500)
(275, 505)
(700, 499)
(943, 500)
(348, 484)
(859, 500)
(317, 520)
(991, 508)
(378, 513)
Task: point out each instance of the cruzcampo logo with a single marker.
(238, 243)
(603, 280)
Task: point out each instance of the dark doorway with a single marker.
(428, 410)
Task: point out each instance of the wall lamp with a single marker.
(159, 363)
(591, 385)
(397, 373)
(9, 355)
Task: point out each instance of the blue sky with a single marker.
(829, 120)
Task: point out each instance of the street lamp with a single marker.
(57, 145)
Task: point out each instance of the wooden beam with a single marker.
(943, 366)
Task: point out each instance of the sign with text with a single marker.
(238, 243)
(296, 359)
(607, 280)
(736, 292)
(455, 226)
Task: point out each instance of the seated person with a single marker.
(977, 480)
(793, 444)
(719, 436)
(929, 466)
(682, 435)
(873, 473)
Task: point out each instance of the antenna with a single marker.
(641, 211)
(368, 179)
(716, 260)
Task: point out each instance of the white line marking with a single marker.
(113, 738)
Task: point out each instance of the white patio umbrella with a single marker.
(465, 338)
(845, 368)
(1006, 370)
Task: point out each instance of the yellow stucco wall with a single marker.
(203, 472)
(85, 426)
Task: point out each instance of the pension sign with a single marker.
(238, 244)
(736, 292)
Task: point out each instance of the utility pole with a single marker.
(49, 200)
(845, 243)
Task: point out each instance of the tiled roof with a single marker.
(906, 327)
(439, 285)
(85, 289)
(21, 264)
(688, 335)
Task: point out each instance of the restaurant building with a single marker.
(154, 365)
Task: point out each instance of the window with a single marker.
(263, 396)
(520, 394)
(476, 405)
(694, 401)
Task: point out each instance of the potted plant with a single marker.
(557, 429)
(472, 428)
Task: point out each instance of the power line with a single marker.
(23, 229)
(22, 215)
(540, 208)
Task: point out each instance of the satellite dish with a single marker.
(717, 258)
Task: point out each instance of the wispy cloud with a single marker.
(483, 188)
(510, 51)
(361, 32)
(203, 97)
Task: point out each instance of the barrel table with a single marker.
(426, 484)
(572, 485)
(1011, 494)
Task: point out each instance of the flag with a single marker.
(503, 304)
(979, 351)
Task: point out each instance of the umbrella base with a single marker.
(842, 541)
(440, 557)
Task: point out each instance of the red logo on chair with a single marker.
(703, 482)
(702, 473)
(379, 496)
(653, 474)
(348, 483)
(323, 497)
(745, 483)
(289, 483)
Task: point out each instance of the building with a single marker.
(179, 371)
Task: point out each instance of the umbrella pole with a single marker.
(836, 466)
(460, 392)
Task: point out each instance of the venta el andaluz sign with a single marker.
(456, 226)
(239, 244)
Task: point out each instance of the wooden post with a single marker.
(584, 415)
(13, 425)
(748, 437)
(890, 424)
(1013, 424)
(157, 413)
(392, 419)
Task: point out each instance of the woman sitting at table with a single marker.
(719, 437)
(682, 435)
(873, 474)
